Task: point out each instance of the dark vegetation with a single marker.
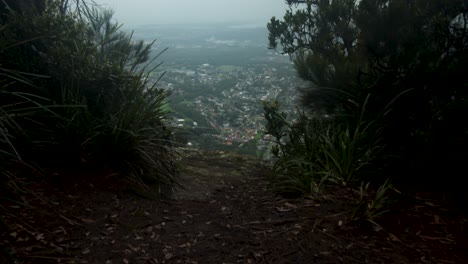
(384, 116)
(75, 98)
(75, 89)
(387, 100)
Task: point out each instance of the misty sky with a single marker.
(134, 12)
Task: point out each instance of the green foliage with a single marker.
(346, 154)
(78, 93)
(75, 94)
(350, 148)
(348, 49)
(299, 168)
(371, 206)
(321, 41)
(276, 123)
(314, 151)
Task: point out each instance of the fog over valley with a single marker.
(217, 64)
(184, 12)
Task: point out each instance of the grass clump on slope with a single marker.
(76, 90)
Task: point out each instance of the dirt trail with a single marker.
(225, 214)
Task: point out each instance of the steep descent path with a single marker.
(224, 214)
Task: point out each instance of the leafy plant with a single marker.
(297, 148)
(76, 94)
(371, 206)
(296, 176)
(349, 49)
(318, 149)
(96, 79)
(349, 149)
(275, 126)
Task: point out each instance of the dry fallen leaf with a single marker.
(40, 236)
(186, 245)
(135, 249)
(394, 238)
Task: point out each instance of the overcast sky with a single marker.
(134, 12)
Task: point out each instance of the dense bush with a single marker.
(76, 99)
(407, 55)
(314, 150)
(76, 93)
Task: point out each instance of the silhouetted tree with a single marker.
(349, 49)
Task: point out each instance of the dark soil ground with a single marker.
(224, 214)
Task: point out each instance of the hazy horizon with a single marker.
(141, 12)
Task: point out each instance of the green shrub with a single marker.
(297, 169)
(314, 150)
(347, 153)
(89, 96)
(357, 47)
(371, 205)
(75, 93)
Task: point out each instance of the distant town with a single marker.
(218, 87)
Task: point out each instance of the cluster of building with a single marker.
(229, 98)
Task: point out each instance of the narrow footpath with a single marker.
(224, 213)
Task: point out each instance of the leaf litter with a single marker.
(224, 214)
